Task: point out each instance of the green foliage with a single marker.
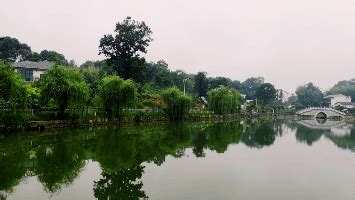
(122, 184)
(117, 94)
(201, 84)
(219, 81)
(123, 49)
(65, 86)
(344, 87)
(13, 89)
(266, 93)
(224, 100)
(309, 95)
(92, 78)
(250, 85)
(12, 50)
(51, 56)
(177, 104)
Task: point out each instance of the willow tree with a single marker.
(13, 89)
(117, 94)
(224, 100)
(65, 86)
(177, 104)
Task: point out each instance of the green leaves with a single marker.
(13, 89)
(177, 104)
(65, 86)
(122, 50)
(224, 100)
(117, 94)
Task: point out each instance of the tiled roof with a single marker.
(43, 65)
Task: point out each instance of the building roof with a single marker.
(42, 65)
(335, 95)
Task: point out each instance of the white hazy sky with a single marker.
(287, 42)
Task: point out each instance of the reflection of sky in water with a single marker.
(259, 160)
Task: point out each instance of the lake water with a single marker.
(266, 160)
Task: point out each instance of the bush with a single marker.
(177, 104)
(224, 100)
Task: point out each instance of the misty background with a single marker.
(288, 42)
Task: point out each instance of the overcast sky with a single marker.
(287, 42)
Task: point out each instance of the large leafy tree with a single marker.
(12, 50)
(309, 95)
(52, 56)
(224, 100)
(201, 84)
(117, 94)
(219, 81)
(123, 49)
(65, 87)
(250, 85)
(266, 93)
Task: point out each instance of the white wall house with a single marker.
(32, 70)
(340, 100)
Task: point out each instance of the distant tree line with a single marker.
(125, 79)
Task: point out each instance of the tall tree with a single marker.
(12, 50)
(219, 81)
(123, 49)
(309, 95)
(201, 84)
(266, 93)
(250, 85)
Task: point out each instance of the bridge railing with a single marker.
(320, 109)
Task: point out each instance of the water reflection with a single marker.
(57, 159)
(121, 185)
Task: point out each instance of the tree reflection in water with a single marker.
(57, 159)
(123, 184)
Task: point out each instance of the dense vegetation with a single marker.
(126, 80)
(224, 100)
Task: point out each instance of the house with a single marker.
(32, 70)
(340, 100)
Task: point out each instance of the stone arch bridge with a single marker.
(320, 112)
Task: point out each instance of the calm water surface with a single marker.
(221, 160)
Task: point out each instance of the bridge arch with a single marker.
(321, 115)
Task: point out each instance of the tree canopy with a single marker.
(177, 104)
(224, 100)
(65, 86)
(13, 89)
(201, 84)
(117, 94)
(12, 50)
(123, 49)
(344, 87)
(266, 93)
(309, 95)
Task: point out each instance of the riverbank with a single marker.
(97, 122)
